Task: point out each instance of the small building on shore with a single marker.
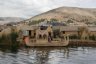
(70, 30)
(79, 32)
(92, 30)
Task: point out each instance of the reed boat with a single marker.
(42, 42)
(43, 36)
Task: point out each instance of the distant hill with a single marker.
(70, 15)
(4, 20)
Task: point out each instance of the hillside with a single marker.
(70, 15)
(4, 20)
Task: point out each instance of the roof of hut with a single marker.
(29, 27)
(69, 28)
(92, 28)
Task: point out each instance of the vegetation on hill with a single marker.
(36, 21)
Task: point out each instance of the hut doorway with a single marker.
(30, 33)
(56, 33)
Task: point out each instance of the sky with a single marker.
(30, 8)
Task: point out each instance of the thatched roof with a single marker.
(29, 28)
(69, 28)
(92, 28)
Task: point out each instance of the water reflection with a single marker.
(49, 55)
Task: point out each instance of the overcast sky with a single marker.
(29, 8)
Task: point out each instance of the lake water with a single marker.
(49, 55)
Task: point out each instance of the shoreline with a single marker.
(72, 43)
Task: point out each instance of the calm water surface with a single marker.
(61, 55)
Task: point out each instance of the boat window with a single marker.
(43, 27)
(66, 37)
(44, 36)
(25, 33)
(40, 36)
(63, 32)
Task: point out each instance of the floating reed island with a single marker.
(85, 43)
(55, 34)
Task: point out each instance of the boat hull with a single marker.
(46, 43)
